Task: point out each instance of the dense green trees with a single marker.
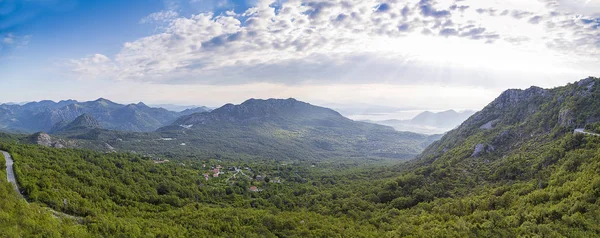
(552, 189)
(20, 219)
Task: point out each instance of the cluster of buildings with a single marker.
(160, 161)
(214, 171)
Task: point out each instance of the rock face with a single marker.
(513, 97)
(46, 140)
(489, 125)
(565, 117)
(481, 149)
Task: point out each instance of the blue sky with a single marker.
(430, 54)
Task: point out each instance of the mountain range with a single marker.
(273, 128)
(46, 115)
(429, 122)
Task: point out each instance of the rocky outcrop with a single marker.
(514, 97)
(566, 117)
(481, 149)
(489, 125)
(48, 141)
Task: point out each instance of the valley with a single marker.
(299, 119)
(522, 166)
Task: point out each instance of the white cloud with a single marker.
(584, 7)
(93, 66)
(490, 44)
(13, 41)
(160, 17)
(9, 39)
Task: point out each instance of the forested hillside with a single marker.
(515, 169)
(130, 194)
(20, 219)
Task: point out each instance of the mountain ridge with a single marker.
(292, 129)
(45, 115)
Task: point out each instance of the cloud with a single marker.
(448, 32)
(10, 41)
(94, 65)
(352, 41)
(535, 20)
(581, 7)
(160, 17)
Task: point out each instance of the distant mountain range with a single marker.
(288, 128)
(178, 108)
(48, 115)
(429, 122)
(273, 128)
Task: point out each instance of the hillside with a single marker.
(20, 219)
(516, 168)
(517, 117)
(46, 115)
(289, 128)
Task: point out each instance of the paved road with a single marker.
(10, 175)
(10, 172)
(582, 131)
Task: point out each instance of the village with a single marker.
(212, 172)
(233, 174)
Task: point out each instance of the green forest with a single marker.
(550, 190)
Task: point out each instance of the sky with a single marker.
(411, 54)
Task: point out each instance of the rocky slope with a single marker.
(519, 116)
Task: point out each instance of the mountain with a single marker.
(82, 123)
(180, 108)
(520, 167)
(429, 122)
(445, 119)
(519, 116)
(46, 115)
(195, 110)
(288, 128)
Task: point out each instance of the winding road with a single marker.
(582, 131)
(10, 175)
(10, 172)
